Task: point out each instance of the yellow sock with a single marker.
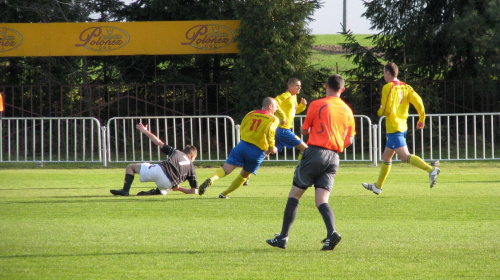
(219, 173)
(299, 157)
(418, 162)
(384, 171)
(237, 182)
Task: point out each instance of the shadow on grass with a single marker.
(210, 252)
(105, 198)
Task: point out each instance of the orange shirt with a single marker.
(1, 102)
(329, 121)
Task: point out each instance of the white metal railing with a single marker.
(360, 150)
(445, 137)
(50, 140)
(452, 136)
(213, 136)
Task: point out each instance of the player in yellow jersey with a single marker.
(395, 102)
(288, 106)
(257, 141)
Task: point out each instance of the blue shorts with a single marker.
(247, 156)
(286, 138)
(396, 140)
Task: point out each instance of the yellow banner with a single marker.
(118, 38)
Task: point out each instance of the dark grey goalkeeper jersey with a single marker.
(178, 167)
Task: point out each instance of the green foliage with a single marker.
(438, 39)
(368, 59)
(64, 224)
(40, 70)
(274, 45)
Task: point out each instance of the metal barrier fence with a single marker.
(50, 140)
(451, 137)
(360, 150)
(446, 137)
(214, 137)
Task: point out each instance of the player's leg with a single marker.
(252, 159)
(333, 237)
(291, 208)
(219, 173)
(323, 188)
(236, 183)
(129, 178)
(234, 160)
(416, 161)
(394, 141)
(281, 240)
(154, 173)
(303, 178)
(301, 147)
(385, 168)
(222, 171)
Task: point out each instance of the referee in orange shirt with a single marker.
(331, 128)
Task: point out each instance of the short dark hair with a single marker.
(392, 68)
(336, 82)
(190, 150)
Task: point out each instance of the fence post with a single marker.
(104, 149)
(237, 130)
(375, 144)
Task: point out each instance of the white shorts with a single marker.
(154, 173)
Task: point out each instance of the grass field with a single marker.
(335, 61)
(64, 224)
(337, 39)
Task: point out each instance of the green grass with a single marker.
(338, 39)
(334, 61)
(64, 224)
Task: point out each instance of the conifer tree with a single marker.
(274, 44)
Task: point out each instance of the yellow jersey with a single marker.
(395, 102)
(259, 128)
(287, 108)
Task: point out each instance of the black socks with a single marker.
(328, 217)
(289, 216)
(129, 178)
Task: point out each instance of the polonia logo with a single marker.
(209, 36)
(103, 38)
(9, 39)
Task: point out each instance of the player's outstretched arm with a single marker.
(185, 190)
(151, 136)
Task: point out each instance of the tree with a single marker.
(438, 39)
(274, 45)
(39, 70)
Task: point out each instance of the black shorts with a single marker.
(317, 167)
